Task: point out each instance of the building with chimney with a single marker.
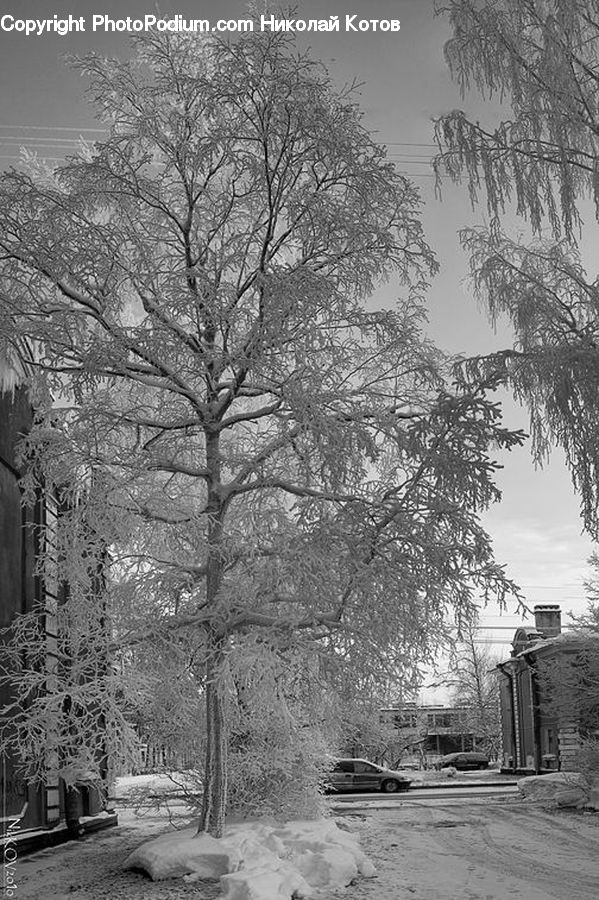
(535, 739)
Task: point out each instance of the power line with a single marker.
(21, 127)
(42, 141)
(51, 128)
(409, 159)
(565, 585)
(19, 159)
(76, 128)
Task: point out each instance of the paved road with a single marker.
(348, 803)
(478, 847)
(439, 844)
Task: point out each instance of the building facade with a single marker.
(26, 809)
(426, 733)
(20, 589)
(536, 740)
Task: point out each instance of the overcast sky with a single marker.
(536, 529)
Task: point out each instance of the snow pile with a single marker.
(557, 789)
(417, 777)
(593, 798)
(258, 861)
(156, 783)
(444, 773)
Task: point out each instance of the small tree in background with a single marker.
(589, 620)
(361, 728)
(263, 452)
(370, 718)
(475, 690)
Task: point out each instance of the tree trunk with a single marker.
(214, 801)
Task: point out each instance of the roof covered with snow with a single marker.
(565, 640)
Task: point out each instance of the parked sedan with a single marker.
(464, 761)
(362, 775)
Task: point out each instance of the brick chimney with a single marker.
(548, 619)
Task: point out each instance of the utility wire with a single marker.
(41, 141)
(51, 128)
(75, 128)
(403, 158)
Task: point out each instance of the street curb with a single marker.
(345, 801)
(462, 784)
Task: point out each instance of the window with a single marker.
(344, 766)
(443, 720)
(363, 768)
(405, 720)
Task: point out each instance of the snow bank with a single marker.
(157, 782)
(593, 799)
(557, 789)
(258, 861)
(418, 777)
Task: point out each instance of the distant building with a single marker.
(430, 732)
(39, 811)
(534, 739)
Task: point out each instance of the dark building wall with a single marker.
(15, 420)
(534, 738)
(519, 717)
(18, 584)
(37, 807)
(527, 725)
(508, 743)
(11, 546)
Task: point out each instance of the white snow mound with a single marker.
(593, 801)
(258, 861)
(557, 788)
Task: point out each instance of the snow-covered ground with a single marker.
(479, 850)
(441, 850)
(259, 860)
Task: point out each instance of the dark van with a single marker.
(464, 761)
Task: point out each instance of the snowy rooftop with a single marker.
(564, 639)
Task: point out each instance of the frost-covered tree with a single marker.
(589, 620)
(475, 691)
(569, 679)
(272, 462)
(570, 682)
(541, 59)
(384, 736)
